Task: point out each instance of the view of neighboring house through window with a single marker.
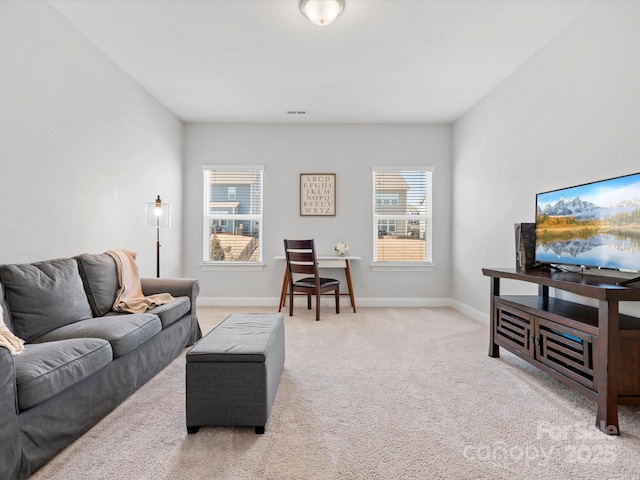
(402, 215)
(232, 214)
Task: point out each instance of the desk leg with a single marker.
(349, 284)
(283, 292)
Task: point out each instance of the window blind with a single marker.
(232, 214)
(402, 215)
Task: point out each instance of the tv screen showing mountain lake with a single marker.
(596, 225)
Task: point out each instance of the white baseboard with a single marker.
(472, 312)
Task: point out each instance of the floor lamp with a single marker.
(158, 215)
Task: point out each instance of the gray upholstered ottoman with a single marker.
(234, 371)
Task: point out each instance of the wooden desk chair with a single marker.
(301, 259)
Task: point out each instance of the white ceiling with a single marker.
(382, 61)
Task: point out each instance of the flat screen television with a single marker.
(591, 225)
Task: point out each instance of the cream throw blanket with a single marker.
(130, 297)
(8, 339)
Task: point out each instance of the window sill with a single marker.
(228, 266)
(403, 266)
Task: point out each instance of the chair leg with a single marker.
(308, 301)
(338, 300)
(317, 306)
(291, 303)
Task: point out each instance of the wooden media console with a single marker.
(594, 350)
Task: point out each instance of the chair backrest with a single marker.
(301, 257)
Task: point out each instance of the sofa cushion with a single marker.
(44, 296)
(123, 332)
(45, 369)
(170, 312)
(100, 279)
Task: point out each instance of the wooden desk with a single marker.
(324, 261)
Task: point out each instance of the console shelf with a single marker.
(594, 350)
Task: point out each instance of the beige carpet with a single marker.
(387, 393)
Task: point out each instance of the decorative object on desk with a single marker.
(158, 215)
(342, 249)
(317, 194)
(525, 246)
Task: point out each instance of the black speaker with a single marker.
(525, 246)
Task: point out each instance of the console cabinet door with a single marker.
(513, 328)
(566, 350)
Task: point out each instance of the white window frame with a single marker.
(427, 217)
(208, 216)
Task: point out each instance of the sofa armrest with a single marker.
(10, 427)
(178, 287)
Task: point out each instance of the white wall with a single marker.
(570, 115)
(82, 147)
(349, 151)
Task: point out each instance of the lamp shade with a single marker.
(158, 214)
(321, 12)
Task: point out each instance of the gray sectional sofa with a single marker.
(81, 358)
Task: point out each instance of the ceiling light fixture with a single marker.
(321, 12)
